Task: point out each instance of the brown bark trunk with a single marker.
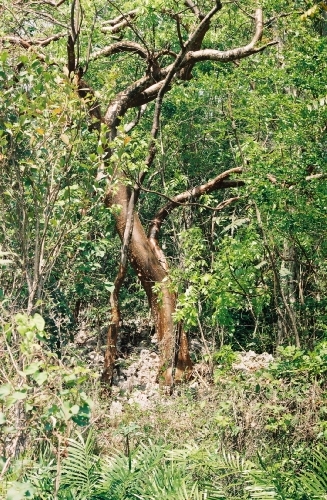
(172, 340)
(113, 330)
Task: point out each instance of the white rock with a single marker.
(116, 409)
(250, 361)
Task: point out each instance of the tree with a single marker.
(161, 58)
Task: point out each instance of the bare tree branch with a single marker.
(174, 68)
(26, 44)
(131, 15)
(315, 176)
(128, 19)
(71, 57)
(123, 46)
(179, 33)
(219, 182)
(50, 2)
(76, 19)
(232, 54)
(165, 52)
(129, 126)
(116, 28)
(194, 8)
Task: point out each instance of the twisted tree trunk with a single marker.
(142, 251)
(173, 346)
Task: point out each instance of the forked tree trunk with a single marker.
(172, 340)
(144, 252)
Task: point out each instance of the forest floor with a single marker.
(238, 402)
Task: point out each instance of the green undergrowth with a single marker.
(235, 434)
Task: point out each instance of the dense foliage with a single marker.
(245, 261)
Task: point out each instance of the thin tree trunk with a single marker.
(289, 317)
(113, 330)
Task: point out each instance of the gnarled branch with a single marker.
(221, 181)
(26, 44)
(195, 9)
(117, 20)
(123, 46)
(232, 54)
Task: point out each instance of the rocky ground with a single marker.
(135, 381)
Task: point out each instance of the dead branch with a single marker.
(220, 206)
(176, 65)
(76, 19)
(129, 126)
(165, 52)
(315, 176)
(154, 86)
(128, 19)
(51, 2)
(115, 29)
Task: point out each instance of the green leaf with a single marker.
(8, 331)
(70, 379)
(40, 377)
(20, 491)
(19, 395)
(28, 406)
(74, 410)
(5, 390)
(32, 368)
(86, 399)
(22, 329)
(21, 318)
(39, 322)
(2, 418)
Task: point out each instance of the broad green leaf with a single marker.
(39, 322)
(32, 368)
(74, 409)
(86, 399)
(20, 491)
(70, 379)
(5, 390)
(28, 406)
(19, 395)
(40, 377)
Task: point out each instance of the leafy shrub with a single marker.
(42, 400)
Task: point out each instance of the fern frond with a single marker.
(262, 492)
(80, 470)
(315, 482)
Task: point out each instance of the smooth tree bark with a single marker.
(141, 248)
